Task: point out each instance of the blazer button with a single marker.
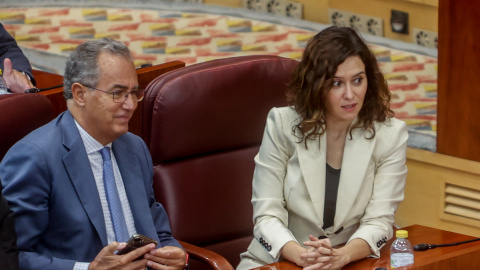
(269, 248)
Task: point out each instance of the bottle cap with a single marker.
(401, 234)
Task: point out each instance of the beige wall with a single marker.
(228, 3)
(423, 14)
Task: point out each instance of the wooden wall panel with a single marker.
(425, 201)
(458, 109)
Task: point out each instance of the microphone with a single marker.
(423, 247)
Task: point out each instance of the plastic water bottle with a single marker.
(3, 85)
(401, 251)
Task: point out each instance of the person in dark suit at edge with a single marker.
(8, 238)
(81, 185)
(15, 66)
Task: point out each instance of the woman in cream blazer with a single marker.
(362, 140)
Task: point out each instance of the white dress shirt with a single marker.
(96, 162)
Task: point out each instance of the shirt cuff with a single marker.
(26, 75)
(81, 266)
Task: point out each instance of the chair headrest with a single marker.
(20, 114)
(213, 106)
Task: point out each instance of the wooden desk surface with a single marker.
(465, 256)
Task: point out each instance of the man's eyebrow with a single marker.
(123, 87)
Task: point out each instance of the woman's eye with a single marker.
(337, 83)
(358, 80)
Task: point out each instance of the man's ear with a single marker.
(79, 93)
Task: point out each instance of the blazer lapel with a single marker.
(356, 157)
(77, 164)
(134, 183)
(313, 167)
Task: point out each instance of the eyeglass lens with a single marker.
(121, 96)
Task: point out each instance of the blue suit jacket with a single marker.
(48, 180)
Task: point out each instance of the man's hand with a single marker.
(16, 81)
(106, 259)
(166, 258)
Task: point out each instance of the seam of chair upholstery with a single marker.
(247, 60)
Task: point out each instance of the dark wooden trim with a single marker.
(458, 121)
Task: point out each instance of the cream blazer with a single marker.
(289, 187)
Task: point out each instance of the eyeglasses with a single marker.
(120, 96)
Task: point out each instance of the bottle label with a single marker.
(400, 259)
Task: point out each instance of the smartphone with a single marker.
(137, 240)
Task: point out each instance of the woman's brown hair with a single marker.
(313, 79)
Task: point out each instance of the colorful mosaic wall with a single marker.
(162, 36)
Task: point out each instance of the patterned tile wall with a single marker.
(161, 36)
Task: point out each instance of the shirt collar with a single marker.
(91, 145)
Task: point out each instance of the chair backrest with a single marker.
(19, 115)
(203, 125)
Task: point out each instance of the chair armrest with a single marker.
(214, 260)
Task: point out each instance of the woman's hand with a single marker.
(321, 255)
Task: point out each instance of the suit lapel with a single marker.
(356, 157)
(313, 167)
(134, 183)
(77, 164)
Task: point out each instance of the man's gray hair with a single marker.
(82, 66)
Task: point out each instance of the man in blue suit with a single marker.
(56, 180)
